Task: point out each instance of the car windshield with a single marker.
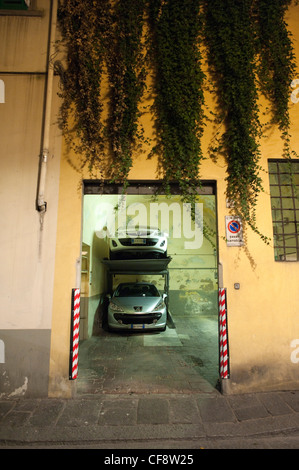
(136, 290)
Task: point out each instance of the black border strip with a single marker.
(142, 187)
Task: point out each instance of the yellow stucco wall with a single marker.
(262, 315)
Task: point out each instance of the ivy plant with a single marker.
(126, 72)
(84, 27)
(231, 56)
(276, 67)
(178, 105)
(249, 50)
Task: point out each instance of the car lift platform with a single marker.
(146, 266)
(151, 266)
(137, 266)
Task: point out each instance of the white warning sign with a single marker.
(234, 231)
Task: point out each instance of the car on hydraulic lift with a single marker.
(144, 242)
(137, 306)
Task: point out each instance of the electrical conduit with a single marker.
(41, 203)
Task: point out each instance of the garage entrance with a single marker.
(183, 358)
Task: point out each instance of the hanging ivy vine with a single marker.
(277, 62)
(84, 27)
(126, 71)
(175, 30)
(249, 51)
(231, 56)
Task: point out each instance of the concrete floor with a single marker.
(183, 359)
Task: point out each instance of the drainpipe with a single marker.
(41, 204)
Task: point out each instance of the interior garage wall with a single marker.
(94, 215)
(193, 270)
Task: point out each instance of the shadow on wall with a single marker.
(99, 251)
(100, 316)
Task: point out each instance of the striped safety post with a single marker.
(223, 340)
(75, 321)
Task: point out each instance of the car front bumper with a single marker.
(140, 321)
(147, 246)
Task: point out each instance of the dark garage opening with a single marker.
(185, 357)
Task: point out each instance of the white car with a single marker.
(145, 242)
(137, 305)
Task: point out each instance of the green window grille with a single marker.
(14, 5)
(284, 192)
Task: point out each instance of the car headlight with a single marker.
(160, 305)
(115, 307)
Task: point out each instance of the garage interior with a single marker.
(184, 358)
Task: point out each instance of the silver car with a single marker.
(137, 305)
(146, 242)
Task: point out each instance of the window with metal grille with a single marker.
(14, 4)
(284, 192)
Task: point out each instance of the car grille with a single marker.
(149, 241)
(146, 318)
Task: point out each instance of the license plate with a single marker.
(138, 241)
(137, 326)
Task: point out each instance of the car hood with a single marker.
(129, 304)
